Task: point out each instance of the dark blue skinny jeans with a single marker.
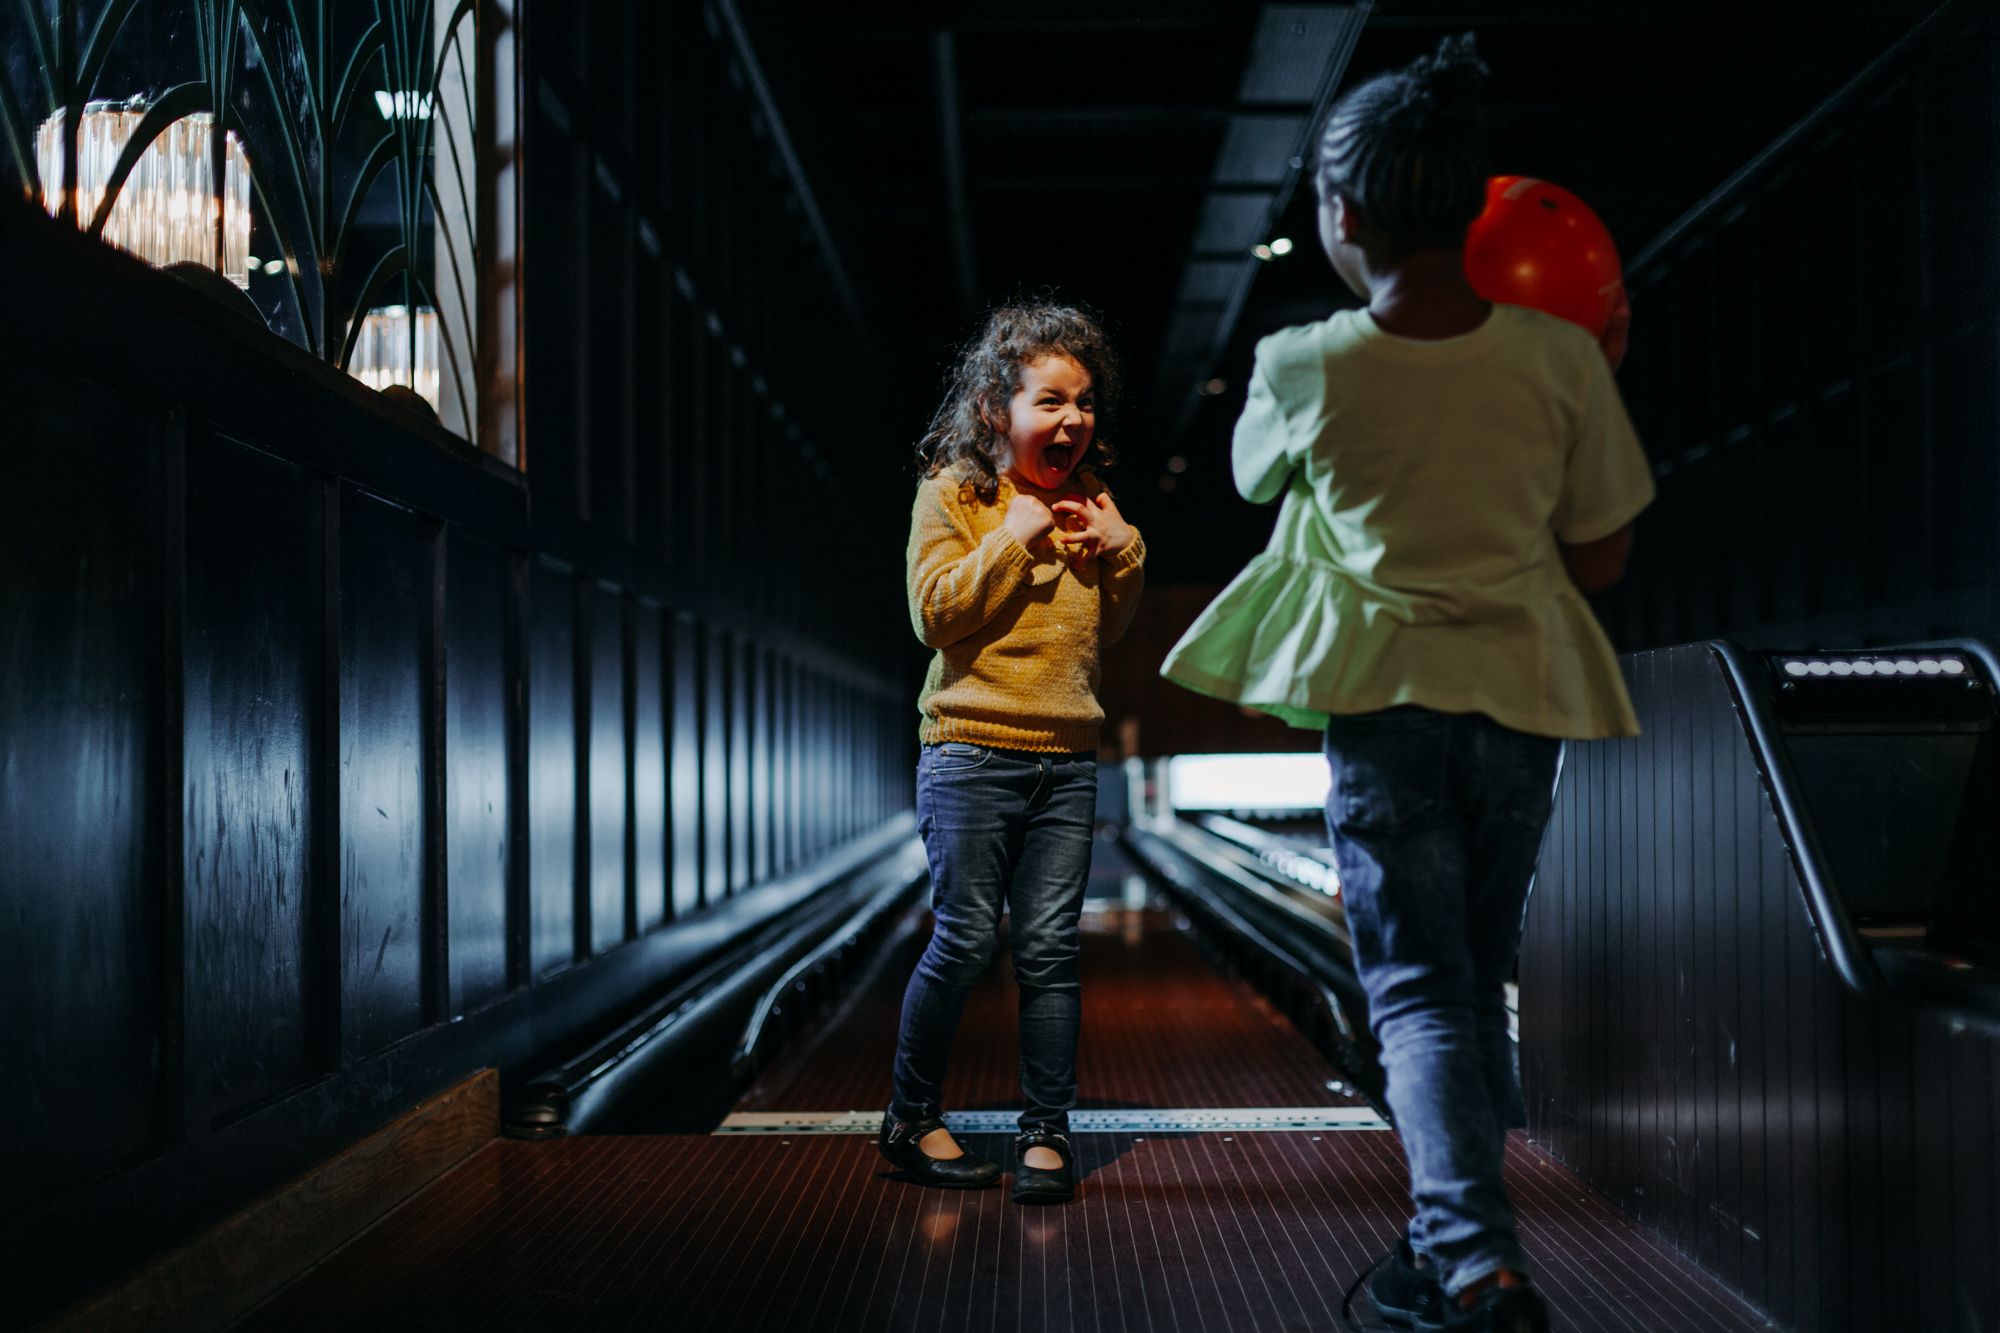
(1003, 830)
(1436, 821)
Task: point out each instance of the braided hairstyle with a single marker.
(971, 425)
(1409, 148)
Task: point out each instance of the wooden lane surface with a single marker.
(1209, 1231)
(1212, 1232)
(1161, 1028)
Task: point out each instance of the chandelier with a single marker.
(166, 212)
(398, 345)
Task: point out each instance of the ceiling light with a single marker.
(1214, 388)
(273, 267)
(1177, 464)
(403, 105)
(1261, 250)
(1281, 245)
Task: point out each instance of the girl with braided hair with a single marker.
(1455, 475)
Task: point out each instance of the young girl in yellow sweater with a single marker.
(1020, 567)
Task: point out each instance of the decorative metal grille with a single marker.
(354, 122)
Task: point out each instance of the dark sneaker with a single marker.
(1499, 1310)
(1405, 1292)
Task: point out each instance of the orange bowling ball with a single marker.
(1536, 244)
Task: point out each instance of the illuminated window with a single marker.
(335, 142)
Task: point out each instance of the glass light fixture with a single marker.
(166, 211)
(385, 352)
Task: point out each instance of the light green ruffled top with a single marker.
(1425, 485)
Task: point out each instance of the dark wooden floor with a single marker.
(1161, 1028)
(1208, 1231)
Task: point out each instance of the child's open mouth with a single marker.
(1058, 457)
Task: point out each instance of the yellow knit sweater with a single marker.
(1017, 630)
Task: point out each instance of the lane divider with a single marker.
(1205, 1120)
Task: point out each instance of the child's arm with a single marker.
(957, 585)
(1260, 452)
(1606, 483)
(1124, 580)
(1595, 566)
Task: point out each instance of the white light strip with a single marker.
(1201, 1120)
(1248, 781)
(1796, 667)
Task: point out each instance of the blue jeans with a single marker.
(1003, 829)
(1436, 821)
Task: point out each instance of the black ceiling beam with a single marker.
(1087, 23)
(1071, 119)
(1212, 296)
(1098, 183)
(957, 208)
(760, 89)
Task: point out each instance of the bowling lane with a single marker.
(1162, 1028)
(1192, 1212)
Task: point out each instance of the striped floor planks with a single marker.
(1209, 1231)
(1225, 1231)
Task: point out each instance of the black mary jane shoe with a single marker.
(900, 1142)
(1034, 1184)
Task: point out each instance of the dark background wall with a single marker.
(1813, 367)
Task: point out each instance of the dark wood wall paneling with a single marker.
(88, 769)
(695, 306)
(1687, 1050)
(387, 560)
(335, 760)
(480, 755)
(257, 696)
(1813, 373)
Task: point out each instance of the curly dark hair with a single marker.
(1410, 147)
(971, 424)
